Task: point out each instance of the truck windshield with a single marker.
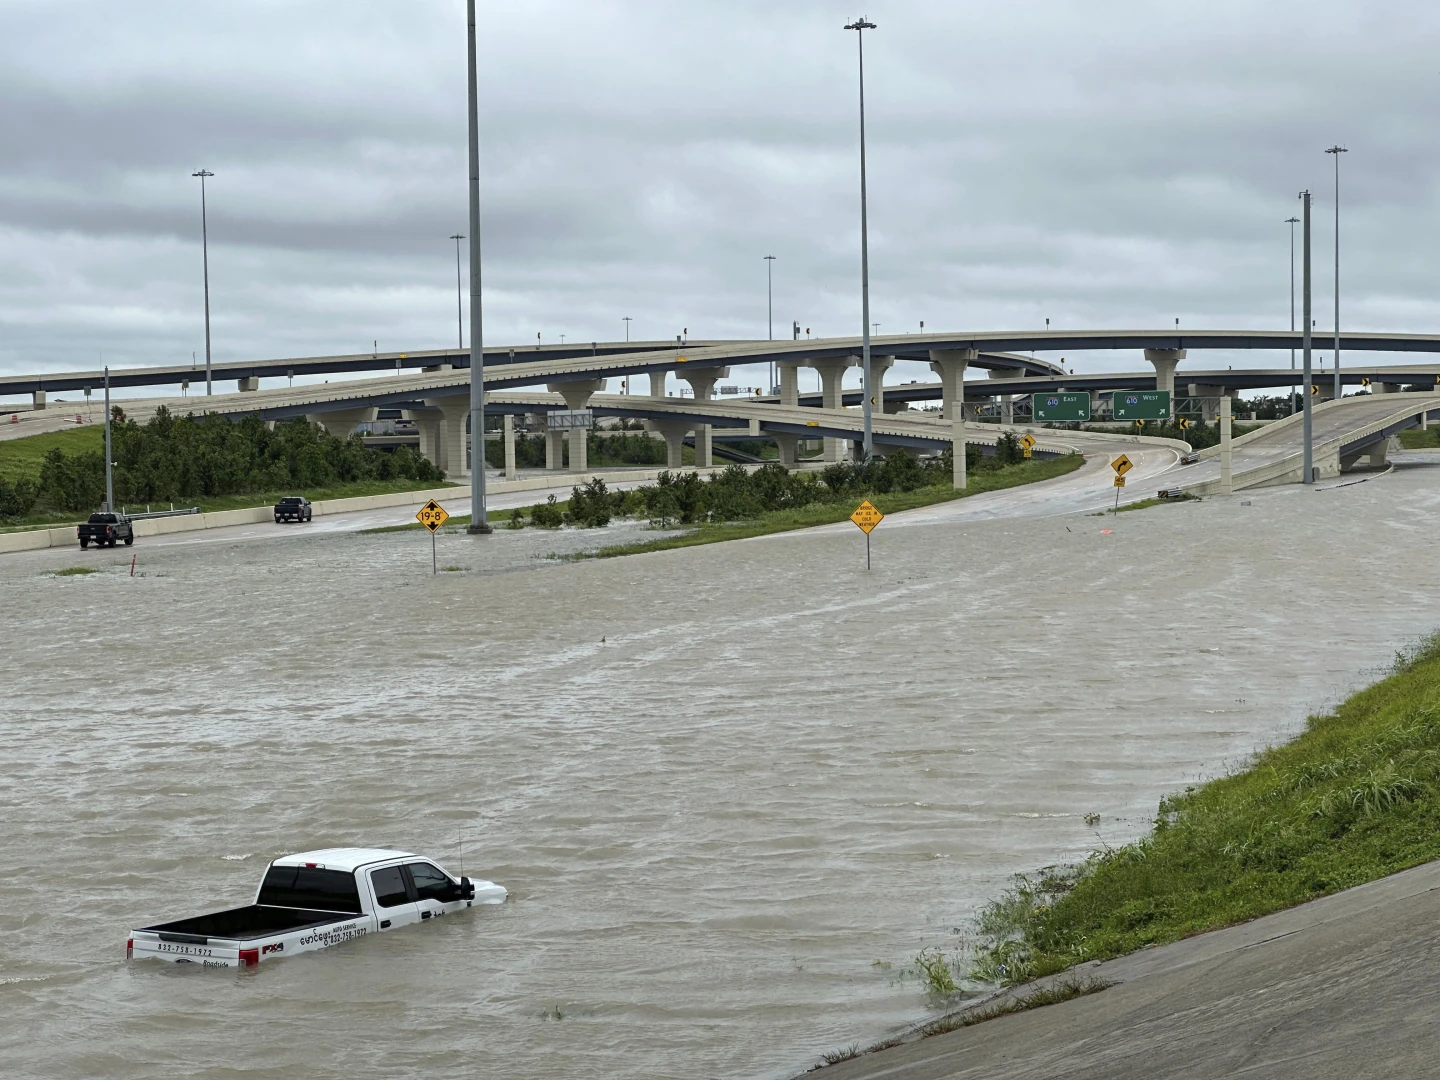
(306, 887)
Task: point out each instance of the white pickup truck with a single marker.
(314, 900)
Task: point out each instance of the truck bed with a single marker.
(251, 921)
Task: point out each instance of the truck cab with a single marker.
(105, 529)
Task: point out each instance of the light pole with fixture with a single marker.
(459, 308)
(205, 257)
(770, 310)
(1337, 150)
(1309, 474)
(1292, 221)
(479, 522)
(626, 321)
(860, 25)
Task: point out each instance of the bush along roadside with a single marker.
(1354, 797)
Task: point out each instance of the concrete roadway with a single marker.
(1336, 989)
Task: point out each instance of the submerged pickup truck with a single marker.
(314, 900)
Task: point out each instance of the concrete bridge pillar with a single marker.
(37, 400)
(577, 394)
(342, 422)
(1165, 362)
(832, 371)
(507, 430)
(702, 382)
(789, 446)
(1384, 388)
(657, 383)
(554, 450)
(1007, 401)
(432, 447)
(950, 365)
(454, 415)
(893, 407)
(789, 382)
(673, 432)
(1210, 400)
(248, 385)
(879, 365)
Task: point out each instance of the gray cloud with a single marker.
(1101, 164)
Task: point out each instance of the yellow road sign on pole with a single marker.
(1119, 481)
(1027, 441)
(867, 517)
(1122, 465)
(432, 515)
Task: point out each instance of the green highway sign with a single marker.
(1060, 407)
(1142, 405)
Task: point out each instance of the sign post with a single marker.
(1121, 465)
(432, 515)
(867, 517)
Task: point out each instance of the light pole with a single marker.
(626, 321)
(479, 522)
(1336, 151)
(1309, 475)
(205, 256)
(459, 308)
(1292, 221)
(860, 25)
(770, 310)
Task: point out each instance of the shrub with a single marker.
(547, 515)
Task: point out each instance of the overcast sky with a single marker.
(1107, 163)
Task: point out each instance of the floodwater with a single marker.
(720, 783)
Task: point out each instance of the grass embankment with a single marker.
(807, 517)
(1415, 439)
(20, 459)
(1353, 798)
(803, 517)
(1145, 504)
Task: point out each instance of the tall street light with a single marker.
(860, 25)
(459, 309)
(205, 255)
(1336, 151)
(626, 320)
(1309, 475)
(1292, 221)
(479, 522)
(770, 311)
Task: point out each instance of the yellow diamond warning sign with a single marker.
(867, 517)
(1122, 465)
(432, 515)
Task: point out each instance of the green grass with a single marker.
(828, 513)
(358, 489)
(74, 571)
(20, 459)
(1064, 989)
(1145, 504)
(1415, 439)
(1353, 798)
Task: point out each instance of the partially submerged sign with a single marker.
(432, 515)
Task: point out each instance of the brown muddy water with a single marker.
(733, 790)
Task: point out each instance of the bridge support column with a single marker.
(657, 383)
(702, 382)
(1377, 455)
(37, 400)
(1165, 361)
(673, 432)
(1209, 400)
(1226, 486)
(554, 450)
(950, 365)
(507, 433)
(789, 446)
(1384, 388)
(1007, 401)
(577, 394)
(789, 382)
(248, 385)
(454, 413)
(879, 365)
(432, 447)
(832, 371)
(342, 422)
(957, 449)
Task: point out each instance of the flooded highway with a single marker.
(733, 790)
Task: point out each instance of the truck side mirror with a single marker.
(467, 889)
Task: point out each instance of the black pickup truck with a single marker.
(293, 508)
(103, 529)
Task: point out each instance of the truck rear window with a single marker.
(102, 519)
(303, 887)
(291, 502)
